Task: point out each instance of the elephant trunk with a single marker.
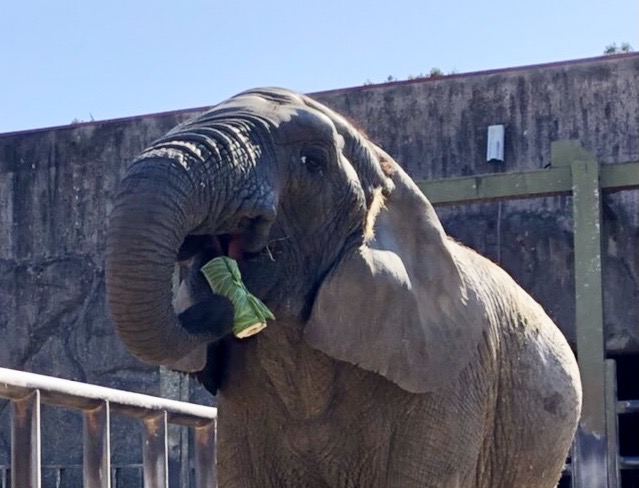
(159, 203)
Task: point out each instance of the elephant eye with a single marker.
(314, 159)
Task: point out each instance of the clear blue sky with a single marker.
(65, 59)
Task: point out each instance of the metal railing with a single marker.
(27, 391)
(70, 475)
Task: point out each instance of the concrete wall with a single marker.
(56, 187)
(55, 194)
(437, 127)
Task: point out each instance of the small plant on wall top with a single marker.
(625, 47)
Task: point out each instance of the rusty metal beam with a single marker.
(205, 472)
(155, 452)
(25, 441)
(96, 447)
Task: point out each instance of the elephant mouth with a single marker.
(249, 238)
(212, 246)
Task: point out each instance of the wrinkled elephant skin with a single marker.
(398, 357)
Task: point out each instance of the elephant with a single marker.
(398, 357)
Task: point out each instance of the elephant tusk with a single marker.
(270, 254)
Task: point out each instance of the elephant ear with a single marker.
(399, 305)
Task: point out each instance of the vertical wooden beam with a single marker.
(25, 441)
(590, 463)
(97, 450)
(154, 453)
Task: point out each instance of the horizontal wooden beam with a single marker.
(617, 177)
(553, 181)
(529, 184)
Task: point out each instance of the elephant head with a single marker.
(328, 230)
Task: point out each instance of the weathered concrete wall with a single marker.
(437, 128)
(55, 195)
(56, 187)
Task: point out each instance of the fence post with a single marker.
(590, 449)
(205, 456)
(97, 450)
(176, 386)
(25, 441)
(155, 452)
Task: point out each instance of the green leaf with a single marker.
(224, 278)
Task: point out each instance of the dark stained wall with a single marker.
(437, 127)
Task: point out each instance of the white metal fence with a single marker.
(27, 391)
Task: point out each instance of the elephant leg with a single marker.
(540, 403)
(425, 450)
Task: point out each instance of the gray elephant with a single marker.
(398, 357)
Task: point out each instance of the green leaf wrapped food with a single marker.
(225, 279)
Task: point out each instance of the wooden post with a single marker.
(590, 463)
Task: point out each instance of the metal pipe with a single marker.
(627, 406)
(97, 450)
(66, 393)
(205, 459)
(155, 452)
(629, 462)
(25, 441)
